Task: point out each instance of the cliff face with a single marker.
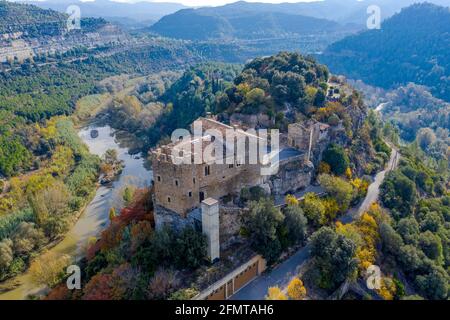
(294, 175)
(26, 31)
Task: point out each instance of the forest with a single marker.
(412, 46)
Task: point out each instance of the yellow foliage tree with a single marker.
(274, 293)
(48, 269)
(291, 200)
(296, 290)
(349, 173)
(331, 210)
(388, 289)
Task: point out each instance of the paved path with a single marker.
(282, 274)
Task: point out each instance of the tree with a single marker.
(27, 238)
(410, 258)
(314, 209)
(425, 138)
(263, 223)
(6, 254)
(275, 293)
(112, 214)
(110, 157)
(337, 158)
(127, 196)
(333, 256)
(296, 290)
(189, 249)
(320, 98)
(398, 193)
(338, 189)
(434, 284)
(49, 269)
(392, 241)
(291, 200)
(163, 283)
(431, 245)
(99, 288)
(50, 205)
(408, 228)
(295, 223)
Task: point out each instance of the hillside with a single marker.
(412, 46)
(240, 21)
(351, 12)
(30, 19)
(34, 22)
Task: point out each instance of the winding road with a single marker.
(282, 274)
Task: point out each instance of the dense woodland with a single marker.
(41, 205)
(35, 22)
(412, 46)
(47, 175)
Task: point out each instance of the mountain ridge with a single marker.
(412, 46)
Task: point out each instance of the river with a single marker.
(96, 215)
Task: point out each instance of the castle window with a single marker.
(190, 194)
(168, 199)
(159, 178)
(207, 171)
(193, 180)
(176, 183)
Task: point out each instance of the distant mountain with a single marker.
(412, 46)
(138, 11)
(234, 18)
(239, 21)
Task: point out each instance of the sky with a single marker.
(213, 2)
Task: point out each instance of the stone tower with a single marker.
(210, 227)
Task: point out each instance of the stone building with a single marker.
(307, 135)
(180, 188)
(182, 185)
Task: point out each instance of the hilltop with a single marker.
(412, 46)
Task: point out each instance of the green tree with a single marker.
(189, 249)
(314, 209)
(392, 241)
(127, 196)
(333, 255)
(337, 158)
(434, 284)
(338, 189)
(431, 245)
(295, 223)
(263, 223)
(399, 194)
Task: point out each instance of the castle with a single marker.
(188, 192)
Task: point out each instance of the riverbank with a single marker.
(95, 218)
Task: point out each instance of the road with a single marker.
(282, 274)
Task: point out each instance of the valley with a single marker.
(358, 143)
